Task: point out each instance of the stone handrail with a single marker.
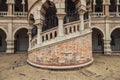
(51, 36)
(3, 13)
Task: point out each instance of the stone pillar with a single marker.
(81, 14)
(39, 31)
(30, 37)
(23, 3)
(10, 40)
(107, 39)
(10, 7)
(94, 3)
(107, 3)
(117, 6)
(107, 47)
(90, 12)
(60, 24)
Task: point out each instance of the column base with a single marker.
(10, 46)
(107, 47)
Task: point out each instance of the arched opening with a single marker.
(3, 5)
(97, 41)
(115, 43)
(113, 5)
(71, 11)
(99, 6)
(34, 31)
(51, 19)
(3, 43)
(21, 40)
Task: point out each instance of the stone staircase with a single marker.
(72, 50)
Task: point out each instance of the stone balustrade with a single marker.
(71, 27)
(21, 14)
(49, 34)
(97, 14)
(113, 14)
(3, 13)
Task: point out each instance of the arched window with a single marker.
(51, 19)
(34, 31)
(86, 16)
(71, 12)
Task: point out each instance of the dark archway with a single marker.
(71, 11)
(3, 44)
(115, 43)
(21, 40)
(51, 19)
(97, 41)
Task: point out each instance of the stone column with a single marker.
(81, 15)
(107, 39)
(23, 3)
(107, 3)
(90, 13)
(39, 31)
(30, 37)
(10, 40)
(94, 3)
(10, 7)
(60, 24)
(117, 6)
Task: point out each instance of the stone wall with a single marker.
(69, 52)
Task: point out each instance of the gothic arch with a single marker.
(14, 32)
(114, 28)
(100, 30)
(4, 30)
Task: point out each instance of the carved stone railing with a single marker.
(3, 13)
(112, 14)
(49, 34)
(21, 14)
(97, 14)
(72, 27)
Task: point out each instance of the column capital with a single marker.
(60, 16)
(106, 2)
(39, 25)
(10, 2)
(23, 2)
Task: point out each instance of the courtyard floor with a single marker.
(15, 67)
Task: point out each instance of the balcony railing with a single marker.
(97, 14)
(21, 14)
(3, 13)
(16, 14)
